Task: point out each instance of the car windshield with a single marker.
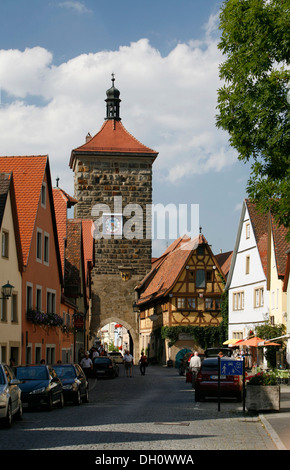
(210, 364)
(2, 378)
(101, 360)
(65, 371)
(32, 373)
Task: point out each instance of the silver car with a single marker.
(10, 396)
(117, 356)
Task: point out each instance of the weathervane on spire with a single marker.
(113, 79)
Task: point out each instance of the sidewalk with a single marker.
(277, 423)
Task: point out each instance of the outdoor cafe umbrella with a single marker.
(232, 341)
(255, 342)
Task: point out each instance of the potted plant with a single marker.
(263, 393)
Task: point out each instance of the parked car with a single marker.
(74, 383)
(117, 356)
(10, 396)
(206, 384)
(104, 366)
(40, 386)
(213, 352)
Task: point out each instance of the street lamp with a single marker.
(7, 290)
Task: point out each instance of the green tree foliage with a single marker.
(252, 103)
(268, 331)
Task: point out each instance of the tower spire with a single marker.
(113, 101)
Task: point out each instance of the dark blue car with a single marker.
(40, 386)
(74, 382)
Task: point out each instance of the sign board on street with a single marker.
(231, 367)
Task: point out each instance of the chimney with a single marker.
(88, 137)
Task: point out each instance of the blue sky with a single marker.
(56, 60)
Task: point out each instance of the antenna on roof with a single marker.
(57, 180)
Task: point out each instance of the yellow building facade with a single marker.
(184, 289)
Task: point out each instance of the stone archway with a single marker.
(132, 331)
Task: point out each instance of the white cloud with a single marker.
(76, 6)
(168, 103)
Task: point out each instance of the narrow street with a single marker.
(156, 412)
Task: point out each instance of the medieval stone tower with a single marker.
(113, 186)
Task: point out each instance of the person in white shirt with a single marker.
(128, 361)
(87, 365)
(194, 366)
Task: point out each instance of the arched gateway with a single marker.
(113, 186)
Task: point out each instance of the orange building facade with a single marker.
(42, 275)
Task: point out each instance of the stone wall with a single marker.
(120, 263)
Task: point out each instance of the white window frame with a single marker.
(46, 249)
(5, 244)
(50, 301)
(238, 300)
(259, 297)
(43, 195)
(39, 245)
(29, 286)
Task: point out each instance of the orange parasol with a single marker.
(255, 342)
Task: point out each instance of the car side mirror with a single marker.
(15, 382)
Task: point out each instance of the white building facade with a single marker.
(247, 279)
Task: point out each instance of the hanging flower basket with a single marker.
(40, 318)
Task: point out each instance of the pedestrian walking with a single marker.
(87, 365)
(194, 366)
(128, 362)
(143, 363)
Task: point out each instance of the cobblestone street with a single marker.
(155, 412)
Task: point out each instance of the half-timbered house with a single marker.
(184, 288)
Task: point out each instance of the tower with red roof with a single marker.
(113, 186)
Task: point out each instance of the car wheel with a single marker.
(77, 398)
(61, 401)
(49, 405)
(19, 414)
(86, 397)
(7, 421)
(239, 397)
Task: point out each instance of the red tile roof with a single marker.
(281, 246)
(260, 224)
(260, 227)
(62, 202)
(113, 138)
(224, 260)
(28, 176)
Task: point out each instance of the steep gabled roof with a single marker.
(28, 176)
(62, 202)
(224, 260)
(259, 224)
(6, 186)
(260, 227)
(167, 268)
(113, 138)
(287, 272)
(281, 246)
(5, 179)
(28, 173)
